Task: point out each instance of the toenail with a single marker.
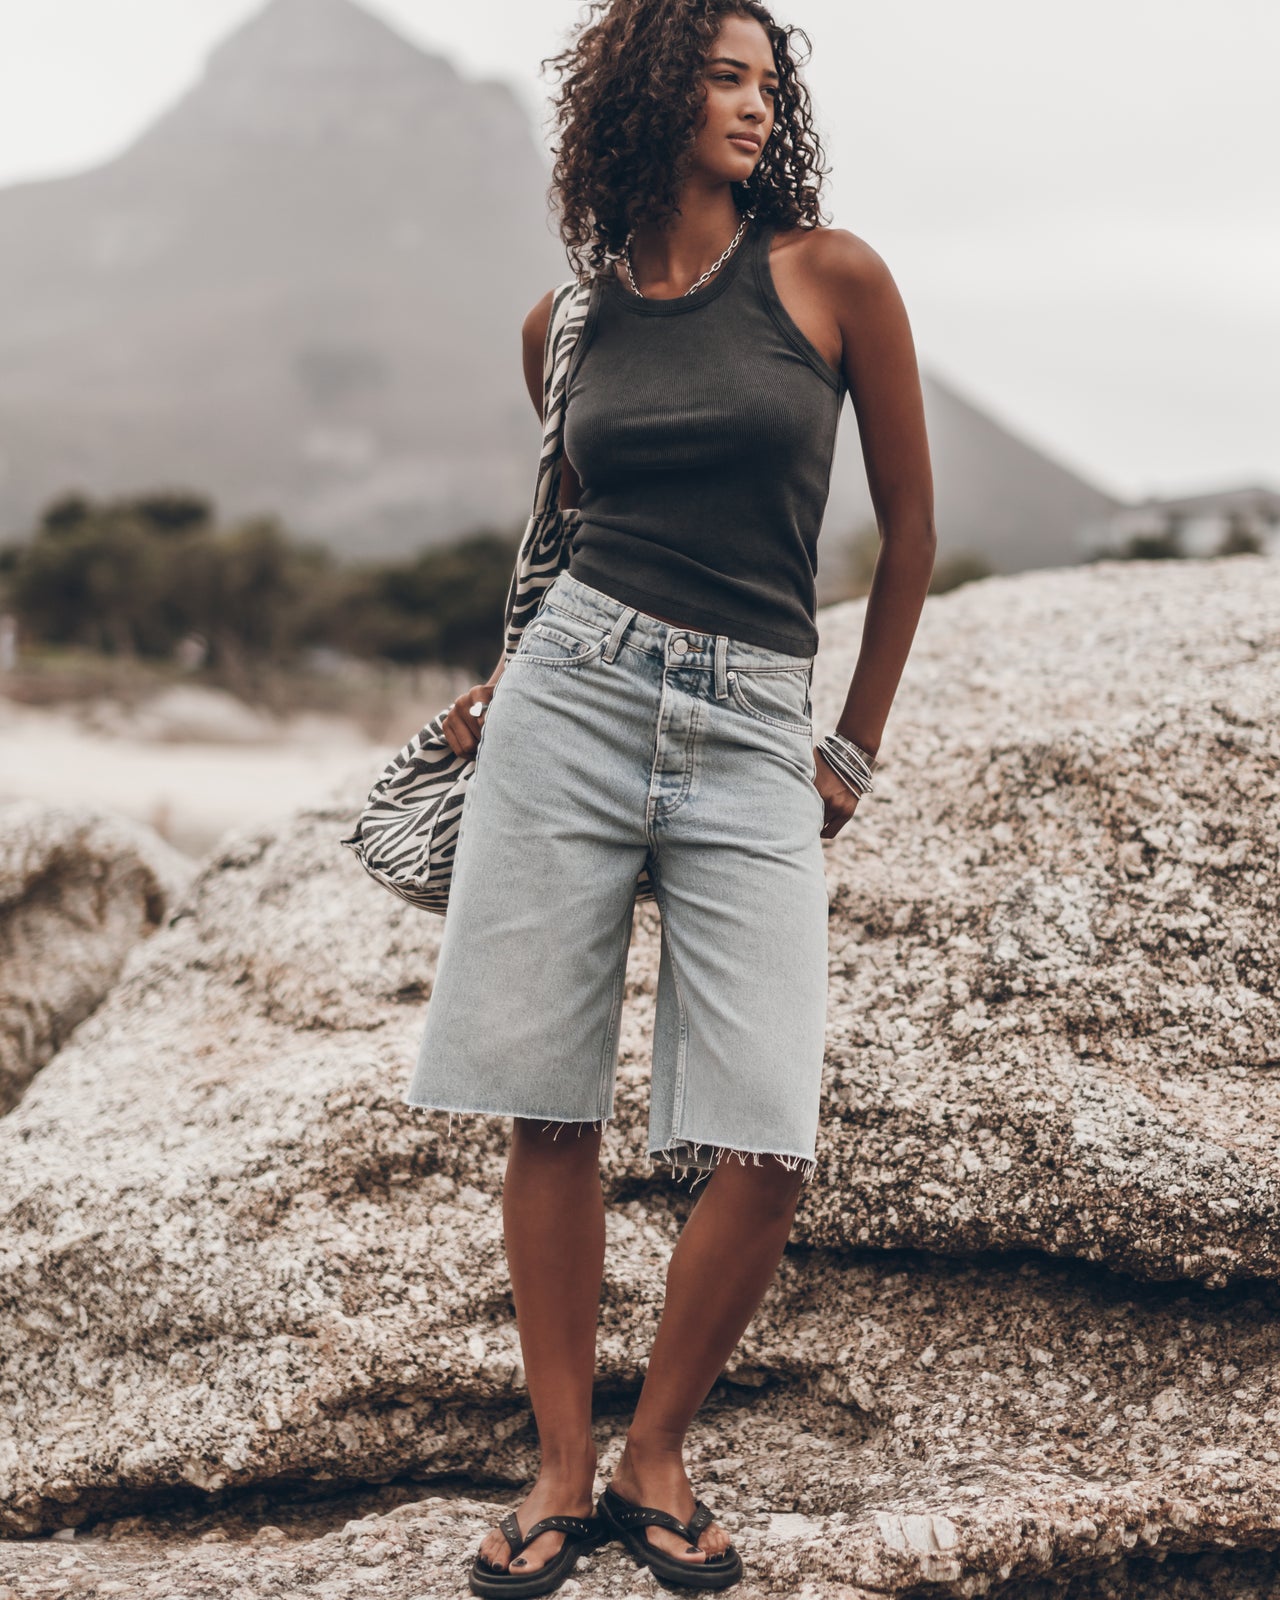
(692, 1549)
(519, 1562)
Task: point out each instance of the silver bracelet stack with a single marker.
(848, 761)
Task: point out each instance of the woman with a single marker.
(658, 713)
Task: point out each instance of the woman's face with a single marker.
(740, 82)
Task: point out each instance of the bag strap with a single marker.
(569, 305)
(542, 549)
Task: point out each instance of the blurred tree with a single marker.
(466, 584)
(965, 566)
(860, 552)
(141, 573)
(445, 605)
(171, 511)
(65, 514)
(133, 575)
(123, 579)
(244, 593)
(1164, 545)
(10, 560)
(88, 577)
(1152, 547)
(1239, 538)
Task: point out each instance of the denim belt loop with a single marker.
(722, 652)
(614, 643)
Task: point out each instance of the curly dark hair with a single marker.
(626, 108)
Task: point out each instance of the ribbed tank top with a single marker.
(702, 430)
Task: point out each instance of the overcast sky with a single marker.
(1080, 203)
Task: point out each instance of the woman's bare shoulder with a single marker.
(534, 331)
(837, 256)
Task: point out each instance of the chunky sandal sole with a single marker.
(497, 1583)
(628, 1522)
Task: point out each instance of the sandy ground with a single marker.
(190, 791)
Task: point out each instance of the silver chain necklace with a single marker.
(715, 267)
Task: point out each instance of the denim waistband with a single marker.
(669, 641)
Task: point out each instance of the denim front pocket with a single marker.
(776, 695)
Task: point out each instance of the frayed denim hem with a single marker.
(683, 1158)
(691, 1157)
(558, 1123)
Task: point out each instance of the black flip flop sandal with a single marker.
(628, 1521)
(581, 1535)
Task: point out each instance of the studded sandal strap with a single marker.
(630, 1516)
(578, 1527)
(702, 1518)
(510, 1528)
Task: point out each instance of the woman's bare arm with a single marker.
(879, 363)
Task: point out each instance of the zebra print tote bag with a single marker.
(407, 835)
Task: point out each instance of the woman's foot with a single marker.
(566, 1492)
(656, 1477)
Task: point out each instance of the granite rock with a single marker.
(78, 889)
(1056, 927)
(1024, 1332)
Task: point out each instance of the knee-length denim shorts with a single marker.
(615, 740)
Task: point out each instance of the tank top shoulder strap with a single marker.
(761, 233)
(754, 279)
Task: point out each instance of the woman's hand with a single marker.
(460, 728)
(840, 800)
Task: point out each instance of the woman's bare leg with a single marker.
(553, 1223)
(724, 1260)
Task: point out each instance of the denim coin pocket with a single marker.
(778, 696)
(557, 639)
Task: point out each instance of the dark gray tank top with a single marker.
(702, 431)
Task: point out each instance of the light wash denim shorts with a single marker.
(614, 739)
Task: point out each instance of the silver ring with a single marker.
(480, 707)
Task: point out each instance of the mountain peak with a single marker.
(317, 39)
(299, 70)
